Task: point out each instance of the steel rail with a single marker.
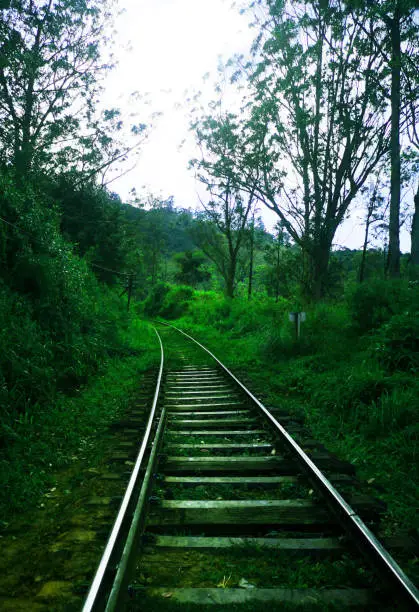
(349, 519)
(94, 593)
(118, 592)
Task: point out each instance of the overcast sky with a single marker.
(164, 48)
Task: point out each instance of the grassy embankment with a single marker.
(353, 374)
(53, 435)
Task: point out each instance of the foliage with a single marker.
(50, 435)
(61, 323)
(372, 304)
(155, 299)
(396, 344)
(191, 272)
(304, 105)
(167, 301)
(176, 302)
(50, 55)
(93, 219)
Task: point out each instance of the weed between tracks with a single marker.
(231, 491)
(149, 603)
(261, 568)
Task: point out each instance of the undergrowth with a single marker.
(52, 435)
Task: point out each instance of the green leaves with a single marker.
(51, 58)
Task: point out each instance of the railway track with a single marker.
(224, 507)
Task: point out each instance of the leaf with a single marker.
(167, 595)
(223, 584)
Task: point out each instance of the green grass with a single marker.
(54, 435)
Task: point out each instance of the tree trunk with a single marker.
(393, 262)
(252, 241)
(414, 252)
(278, 252)
(364, 248)
(319, 257)
(230, 279)
(364, 253)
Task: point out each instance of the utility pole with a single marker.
(130, 283)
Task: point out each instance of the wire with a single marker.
(109, 270)
(18, 228)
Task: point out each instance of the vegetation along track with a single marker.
(225, 509)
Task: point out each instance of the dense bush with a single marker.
(59, 323)
(321, 333)
(210, 308)
(155, 299)
(176, 302)
(396, 344)
(373, 303)
(169, 302)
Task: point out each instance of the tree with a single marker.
(221, 233)
(92, 218)
(50, 72)
(228, 207)
(251, 256)
(374, 214)
(411, 121)
(313, 126)
(396, 39)
(283, 264)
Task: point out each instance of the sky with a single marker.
(163, 49)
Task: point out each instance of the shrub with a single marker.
(324, 332)
(396, 345)
(58, 321)
(209, 308)
(373, 303)
(176, 302)
(155, 299)
(394, 410)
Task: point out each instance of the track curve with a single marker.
(224, 474)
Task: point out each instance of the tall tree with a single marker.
(411, 121)
(251, 256)
(50, 71)
(395, 37)
(223, 232)
(314, 125)
(394, 26)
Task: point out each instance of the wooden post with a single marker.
(130, 282)
(297, 318)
